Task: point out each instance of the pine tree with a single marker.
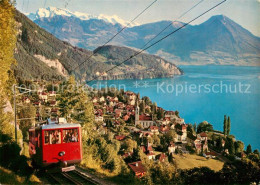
(232, 148)
(225, 125)
(142, 107)
(195, 127)
(228, 125)
(248, 149)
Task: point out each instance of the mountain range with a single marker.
(40, 55)
(219, 40)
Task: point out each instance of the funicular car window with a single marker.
(52, 137)
(70, 135)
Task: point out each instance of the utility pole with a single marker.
(15, 120)
(15, 123)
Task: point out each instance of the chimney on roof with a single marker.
(136, 164)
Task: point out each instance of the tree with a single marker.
(75, 105)
(142, 107)
(225, 125)
(239, 147)
(68, 98)
(219, 144)
(136, 156)
(190, 128)
(43, 113)
(177, 113)
(24, 35)
(170, 136)
(228, 125)
(153, 108)
(256, 151)
(248, 149)
(129, 145)
(229, 144)
(7, 46)
(195, 127)
(160, 114)
(253, 157)
(156, 140)
(162, 173)
(204, 126)
(147, 100)
(27, 112)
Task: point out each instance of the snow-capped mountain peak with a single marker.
(53, 11)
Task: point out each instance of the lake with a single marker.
(207, 93)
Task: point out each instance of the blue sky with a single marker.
(244, 12)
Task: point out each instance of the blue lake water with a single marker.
(207, 93)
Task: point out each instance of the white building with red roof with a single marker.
(43, 96)
(138, 169)
(154, 129)
(26, 100)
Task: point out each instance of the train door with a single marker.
(38, 146)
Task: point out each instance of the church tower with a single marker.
(137, 110)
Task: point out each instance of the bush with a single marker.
(10, 158)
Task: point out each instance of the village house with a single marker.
(118, 112)
(145, 134)
(52, 94)
(43, 96)
(26, 100)
(154, 129)
(138, 169)
(120, 138)
(164, 121)
(53, 103)
(148, 150)
(40, 90)
(126, 117)
(161, 157)
(171, 148)
(110, 109)
(211, 155)
(120, 105)
(95, 100)
(164, 129)
(183, 136)
(170, 114)
(111, 102)
(99, 118)
(37, 103)
(131, 102)
(203, 136)
(179, 121)
(200, 146)
(102, 99)
(126, 155)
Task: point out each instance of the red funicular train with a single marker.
(56, 144)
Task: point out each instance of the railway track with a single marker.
(72, 177)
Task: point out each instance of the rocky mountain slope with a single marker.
(41, 55)
(219, 40)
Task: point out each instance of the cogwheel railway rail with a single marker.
(71, 177)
